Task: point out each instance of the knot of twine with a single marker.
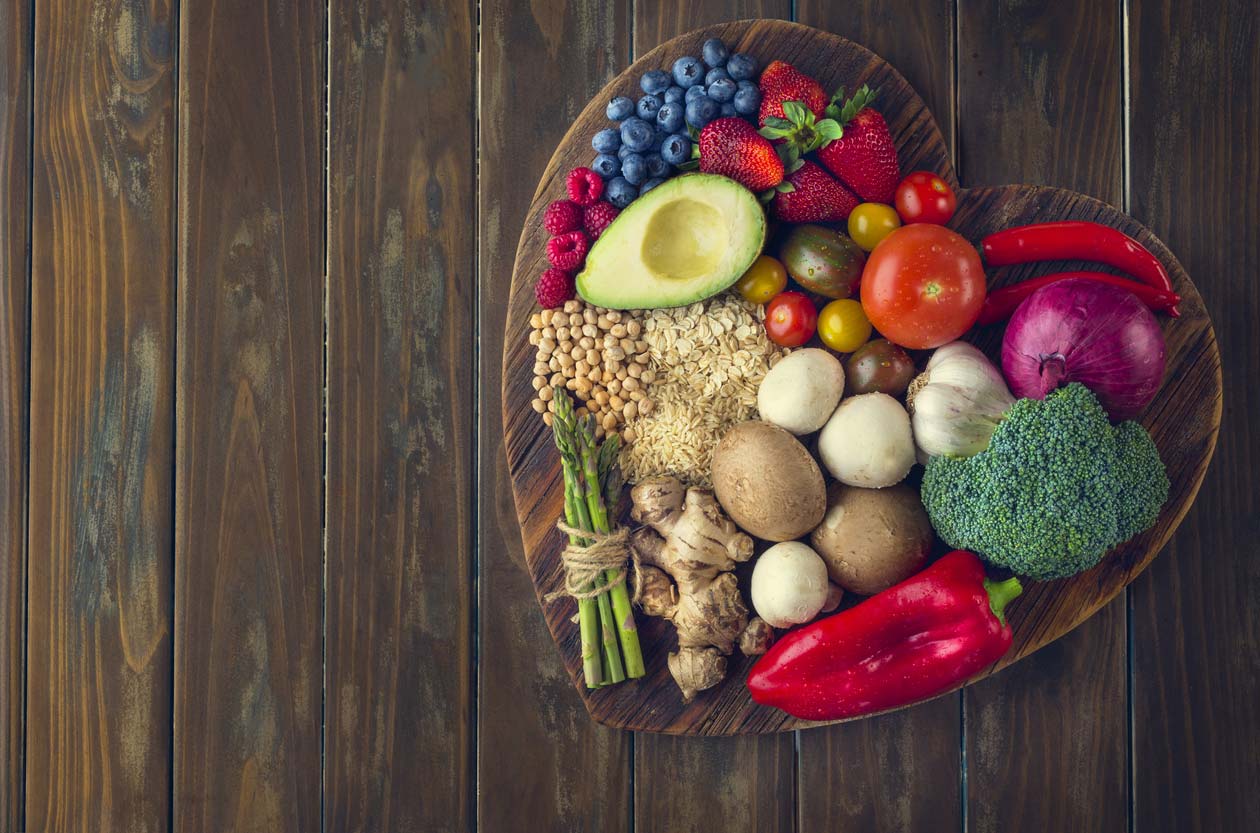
(584, 567)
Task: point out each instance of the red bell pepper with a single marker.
(1001, 303)
(914, 640)
(1077, 240)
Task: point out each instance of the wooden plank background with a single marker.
(259, 568)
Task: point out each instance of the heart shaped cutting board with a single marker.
(1183, 420)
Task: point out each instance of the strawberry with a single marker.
(553, 288)
(864, 157)
(810, 195)
(781, 82)
(732, 147)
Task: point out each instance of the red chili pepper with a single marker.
(1000, 303)
(914, 640)
(1077, 240)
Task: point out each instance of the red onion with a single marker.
(1088, 332)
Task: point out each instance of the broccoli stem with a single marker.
(1000, 593)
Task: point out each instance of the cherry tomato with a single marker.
(923, 197)
(881, 366)
(843, 326)
(763, 280)
(870, 223)
(923, 286)
(791, 319)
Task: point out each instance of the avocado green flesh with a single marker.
(685, 240)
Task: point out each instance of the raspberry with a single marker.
(567, 251)
(562, 216)
(597, 217)
(553, 288)
(584, 185)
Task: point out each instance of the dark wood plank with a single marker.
(1195, 99)
(248, 552)
(15, 207)
(1039, 102)
(99, 647)
(542, 763)
(401, 341)
(898, 771)
(747, 784)
(915, 36)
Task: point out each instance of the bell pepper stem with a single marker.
(1000, 593)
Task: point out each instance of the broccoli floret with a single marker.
(1056, 488)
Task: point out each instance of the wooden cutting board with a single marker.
(1183, 420)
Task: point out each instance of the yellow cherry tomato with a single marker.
(871, 222)
(843, 326)
(763, 280)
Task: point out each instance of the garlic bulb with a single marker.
(957, 402)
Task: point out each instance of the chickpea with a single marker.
(554, 364)
(614, 388)
(623, 375)
(616, 402)
(596, 374)
(584, 386)
(540, 368)
(573, 305)
(627, 345)
(549, 333)
(586, 342)
(582, 368)
(648, 377)
(557, 380)
(630, 384)
(581, 412)
(614, 315)
(601, 396)
(534, 337)
(630, 411)
(589, 315)
(563, 332)
(536, 321)
(566, 361)
(577, 354)
(551, 406)
(539, 405)
(636, 370)
(618, 330)
(593, 358)
(610, 422)
(575, 320)
(636, 396)
(548, 419)
(545, 393)
(627, 434)
(590, 331)
(539, 383)
(646, 405)
(614, 353)
(633, 328)
(546, 346)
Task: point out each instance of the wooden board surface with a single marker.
(1183, 421)
(102, 338)
(249, 454)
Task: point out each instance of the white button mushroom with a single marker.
(868, 442)
(789, 584)
(801, 391)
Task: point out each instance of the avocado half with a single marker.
(687, 239)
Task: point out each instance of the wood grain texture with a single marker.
(1183, 422)
(746, 784)
(1039, 101)
(15, 213)
(542, 764)
(915, 36)
(900, 771)
(1195, 99)
(248, 553)
(399, 664)
(99, 647)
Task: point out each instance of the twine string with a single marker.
(585, 566)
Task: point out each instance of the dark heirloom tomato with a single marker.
(879, 366)
(923, 286)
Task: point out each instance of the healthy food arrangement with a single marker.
(759, 330)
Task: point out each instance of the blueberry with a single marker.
(656, 166)
(688, 72)
(620, 108)
(634, 169)
(659, 137)
(722, 90)
(677, 149)
(728, 110)
(648, 105)
(670, 117)
(623, 152)
(747, 99)
(742, 67)
(695, 92)
(606, 165)
(636, 134)
(655, 81)
(675, 94)
(650, 184)
(715, 74)
(699, 113)
(620, 192)
(606, 140)
(715, 53)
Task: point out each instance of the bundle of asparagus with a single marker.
(592, 483)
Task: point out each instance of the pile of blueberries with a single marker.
(653, 140)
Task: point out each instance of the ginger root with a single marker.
(688, 549)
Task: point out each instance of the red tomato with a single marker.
(922, 286)
(791, 319)
(923, 197)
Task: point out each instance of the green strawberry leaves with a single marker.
(859, 102)
(800, 131)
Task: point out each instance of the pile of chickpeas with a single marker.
(599, 355)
